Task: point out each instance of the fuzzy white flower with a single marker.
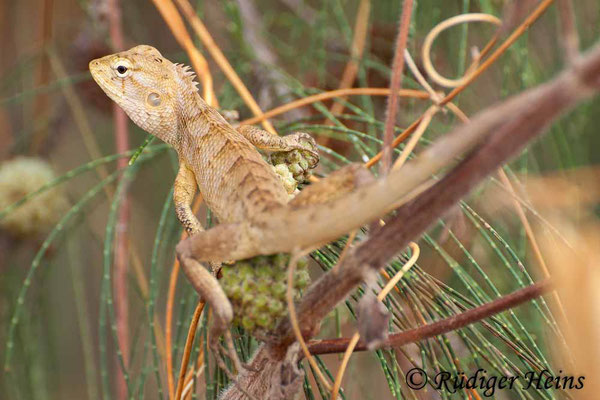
(23, 175)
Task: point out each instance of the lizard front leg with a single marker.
(267, 141)
(204, 282)
(292, 156)
(183, 194)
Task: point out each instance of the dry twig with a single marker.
(395, 84)
(450, 324)
(121, 253)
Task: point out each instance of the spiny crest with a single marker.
(187, 73)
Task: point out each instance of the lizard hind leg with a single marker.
(207, 286)
(209, 289)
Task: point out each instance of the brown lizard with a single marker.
(238, 186)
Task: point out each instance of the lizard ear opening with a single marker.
(153, 99)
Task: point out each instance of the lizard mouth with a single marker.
(94, 67)
(100, 72)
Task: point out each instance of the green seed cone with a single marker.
(257, 289)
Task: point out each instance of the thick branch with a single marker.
(440, 327)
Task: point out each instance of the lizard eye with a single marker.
(153, 99)
(122, 69)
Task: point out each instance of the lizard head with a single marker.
(146, 86)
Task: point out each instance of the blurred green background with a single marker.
(60, 341)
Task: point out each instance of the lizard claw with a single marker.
(306, 144)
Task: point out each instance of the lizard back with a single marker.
(234, 180)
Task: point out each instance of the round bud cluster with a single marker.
(23, 175)
(300, 163)
(257, 289)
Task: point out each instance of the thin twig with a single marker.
(395, 84)
(221, 60)
(414, 139)
(121, 243)
(570, 37)
(356, 51)
(330, 95)
(169, 309)
(381, 296)
(450, 324)
(434, 33)
(169, 13)
(289, 295)
(187, 350)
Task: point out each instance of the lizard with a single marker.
(236, 183)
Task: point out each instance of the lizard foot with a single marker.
(306, 144)
(300, 156)
(218, 351)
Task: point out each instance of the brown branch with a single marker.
(395, 84)
(510, 125)
(450, 324)
(338, 93)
